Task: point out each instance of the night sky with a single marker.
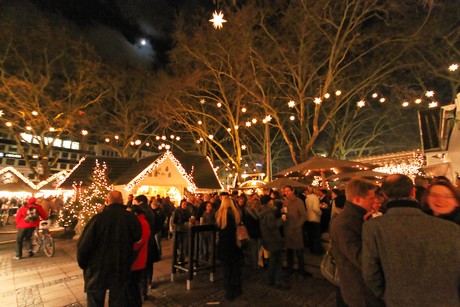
(117, 27)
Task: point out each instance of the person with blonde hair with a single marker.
(228, 252)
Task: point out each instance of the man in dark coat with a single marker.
(347, 243)
(409, 257)
(105, 252)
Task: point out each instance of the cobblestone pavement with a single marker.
(58, 281)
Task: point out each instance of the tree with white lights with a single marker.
(93, 197)
(306, 67)
(48, 79)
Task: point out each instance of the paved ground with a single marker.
(58, 281)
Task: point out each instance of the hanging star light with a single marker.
(453, 67)
(217, 20)
(429, 94)
(361, 103)
(291, 103)
(317, 100)
(433, 104)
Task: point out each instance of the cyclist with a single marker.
(26, 226)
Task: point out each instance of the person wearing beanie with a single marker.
(26, 227)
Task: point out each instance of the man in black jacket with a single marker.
(105, 252)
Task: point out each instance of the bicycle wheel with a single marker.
(48, 245)
(35, 242)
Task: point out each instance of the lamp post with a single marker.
(268, 152)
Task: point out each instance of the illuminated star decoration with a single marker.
(217, 20)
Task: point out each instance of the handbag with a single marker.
(329, 268)
(242, 235)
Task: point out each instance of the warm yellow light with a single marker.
(243, 147)
(292, 117)
(254, 120)
(138, 142)
(229, 129)
(108, 140)
(177, 138)
(236, 127)
(429, 94)
(34, 113)
(418, 101)
(248, 124)
(29, 128)
(361, 103)
(327, 95)
(405, 104)
(291, 103)
(210, 136)
(338, 92)
(375, 95)
(317, 100)
(51, 129)
(382, 100)
(217, 20)
(219, 104)
(453, 67)
(433, 104)
(163, 137)
(202, 101)
(9, 124)
(172, 136)
(116, 137)
(243, 109)
(84, 132)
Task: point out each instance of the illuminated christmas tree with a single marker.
(93, 198)
(68, 215)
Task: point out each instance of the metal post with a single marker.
(268, 158)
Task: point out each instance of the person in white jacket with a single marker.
(313, 223)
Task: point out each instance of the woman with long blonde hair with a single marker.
(230, 255)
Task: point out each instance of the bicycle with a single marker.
(42, 239)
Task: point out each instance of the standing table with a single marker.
(193, 263)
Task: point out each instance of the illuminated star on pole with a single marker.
(217, 20)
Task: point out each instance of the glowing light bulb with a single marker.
(418, 101)
(453, 67)
(248, 124)
(254, 120)
(210, 136)
(338, 93)
(375, 95)
(30, 128)
(108, 140)
(137, 142)
(317, 100)
(243, 109)
(243, 147)
(157, 138)
(405, 104)
(34, 113)
(163, 137)
(361, 103)
(382, 100)
(219, 104)
(202, 101)
(9, 124)
(429, 94)
(83, 132)
(292, 117)
(291, 103)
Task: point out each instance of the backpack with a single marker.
(31, 215)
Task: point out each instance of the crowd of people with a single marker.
(394, 245)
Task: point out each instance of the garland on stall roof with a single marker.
(58, 184)
(148, 170)
(215, 172)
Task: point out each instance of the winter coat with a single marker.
(105, 248)
(410, 258)
(270, 229)
(227, 249)
(296, 216)
(251, 221)
(141, 247)
(346, 248)
(312, 204)
(20, 223)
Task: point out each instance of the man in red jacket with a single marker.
(26, 228)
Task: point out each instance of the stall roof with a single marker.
(123, 171)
